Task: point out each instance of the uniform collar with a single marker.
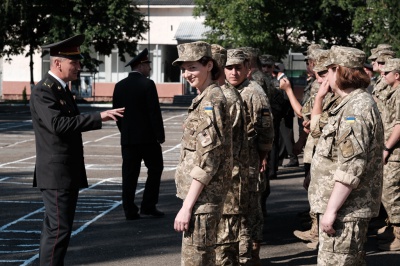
(62, 83)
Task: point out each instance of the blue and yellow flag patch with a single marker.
(208, 109)
(350, 119)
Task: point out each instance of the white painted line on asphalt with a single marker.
(172, 117)
(17, 161)
(16, 143)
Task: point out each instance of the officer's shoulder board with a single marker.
(48, 83)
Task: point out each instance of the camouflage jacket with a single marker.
(259, 128)
(309, 104)
(276, 97)
(391, 118)
(237, 196)
(331, 101)
(306, 112)
(379, 93)
(307, 91)
(350, 151)
(205, 147)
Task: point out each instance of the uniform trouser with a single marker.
(60, 205)
(255, 216)
(273, 158)
(132, 156)
(233, 240)
(391, 191)
(198, 243)
(346, 247)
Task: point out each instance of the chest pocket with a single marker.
(200, 135)
(325, 142)
(348, 144)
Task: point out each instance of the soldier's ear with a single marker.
(210, 65)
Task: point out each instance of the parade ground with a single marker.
(101, 235)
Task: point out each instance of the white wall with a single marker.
(164, 22)
(17, 69)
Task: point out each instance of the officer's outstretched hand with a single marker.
(112, 114)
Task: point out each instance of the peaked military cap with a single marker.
(235, 57)
(250, 52)
(392, 64)
(320, 57)
(142, 57)
(193, 51)
(345, 56)
(266, 59)
(218, 54)
(69, 48)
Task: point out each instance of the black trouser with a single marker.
(60, 205)
(132, 156)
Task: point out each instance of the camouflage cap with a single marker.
(218, 54)
(321, 56)
(235, 56)
(345, 56)
(266, 59)
(392, 64)
(309, 50)
(250, 52)
(380, 47)
(384, 55)
(192, 52)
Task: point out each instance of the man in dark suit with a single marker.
(60, 168)
(142, 132)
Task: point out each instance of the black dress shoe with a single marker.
(134, 216)
(154, 212)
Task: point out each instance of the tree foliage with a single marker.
(378, 22)
(107, 24)
(275, 26)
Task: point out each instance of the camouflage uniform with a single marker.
(205, 151)
(319, 56)
(391, 176)
(235, 209)
(381, 87)
(260, 136)
(349, 151)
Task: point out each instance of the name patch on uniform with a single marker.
(350, 119)
(208, 109)
(264, 111)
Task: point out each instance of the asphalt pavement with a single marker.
(101, 235)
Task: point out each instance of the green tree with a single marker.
(275, 26)
(107, 24)
(378, 22)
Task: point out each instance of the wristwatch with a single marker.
(387, 149)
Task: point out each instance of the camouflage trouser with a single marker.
(232, 230)
(199, 241)
(391, 191)
(255, 216)
(346, 247)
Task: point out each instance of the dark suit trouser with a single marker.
(132, 156)
(60, 205)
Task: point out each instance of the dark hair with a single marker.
(215, 71)
(351, 78)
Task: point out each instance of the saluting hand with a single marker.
(112, 114)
